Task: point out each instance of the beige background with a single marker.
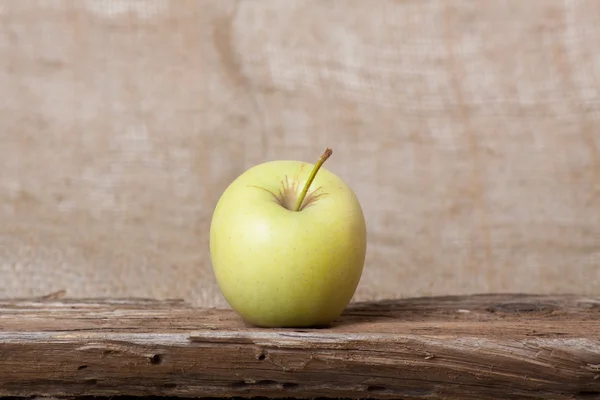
(470, 130)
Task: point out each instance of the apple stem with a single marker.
(311, 178)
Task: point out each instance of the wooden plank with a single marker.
(465, 347)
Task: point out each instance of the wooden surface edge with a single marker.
(452, 347)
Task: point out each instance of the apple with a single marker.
(288, 242)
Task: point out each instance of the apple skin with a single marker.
(282, 268)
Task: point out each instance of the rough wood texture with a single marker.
(478, 347)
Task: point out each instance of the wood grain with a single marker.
(469, 347)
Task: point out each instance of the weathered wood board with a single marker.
(467, 347)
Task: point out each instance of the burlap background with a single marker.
(469, 129)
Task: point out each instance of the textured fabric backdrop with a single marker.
(470, 131)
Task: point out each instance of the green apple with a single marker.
(288, 242)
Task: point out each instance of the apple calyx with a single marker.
(328, 152)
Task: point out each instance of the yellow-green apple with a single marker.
(288, 242)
